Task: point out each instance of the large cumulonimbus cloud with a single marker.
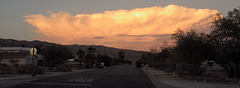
(132, 29)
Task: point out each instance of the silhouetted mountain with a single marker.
(113, 52)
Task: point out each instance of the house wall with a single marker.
(29, 60)
(215, 70)
(21, 61)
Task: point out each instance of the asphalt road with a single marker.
(125, 76)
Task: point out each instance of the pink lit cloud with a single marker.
(136, 29)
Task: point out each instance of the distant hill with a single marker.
(113, 52)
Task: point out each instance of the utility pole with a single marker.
(235, 73)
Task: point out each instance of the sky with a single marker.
(126, 24)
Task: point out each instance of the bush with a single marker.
(4, 69)
(62, 68)
(29, 69)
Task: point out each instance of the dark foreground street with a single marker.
(126, 76)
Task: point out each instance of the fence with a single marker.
(215, 73)
(20, 69)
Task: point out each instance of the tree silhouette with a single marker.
(13, 61)
(107, 60)
(81, 56)
(56, 55)
(90, 57)
(191, 48)
(226, 38)
(121, 55)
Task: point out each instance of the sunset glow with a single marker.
(129, 29)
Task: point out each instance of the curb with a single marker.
(11, 78)
(7, 81)
(181, 83)
(145, 70)
(46, 76)
(41, 76)
(152, 78)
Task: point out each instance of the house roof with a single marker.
(40, 57)
(9, 55)
(15, 49)
(70, 60)
(17, 52)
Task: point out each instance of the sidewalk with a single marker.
(15, 79)
(164, 78)
(45, 74)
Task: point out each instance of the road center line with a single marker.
(63, 84)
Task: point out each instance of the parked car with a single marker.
(100, 65)
(138, 64)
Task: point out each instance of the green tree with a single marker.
(81, 56)
(13, 62)
(191, 48)
(143, 58)
(164, 55)
(225, 37)
(121, 56)
(91, 57)
(91, 50)
(56, 55)
(107, 60)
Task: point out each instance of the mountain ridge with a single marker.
(131, 55)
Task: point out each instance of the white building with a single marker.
(19, 55)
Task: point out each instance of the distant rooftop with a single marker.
(14, 55)
(15, 49)
(16, 52)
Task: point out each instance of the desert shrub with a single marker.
(62, 68)
(29, 69)
(4, 69)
